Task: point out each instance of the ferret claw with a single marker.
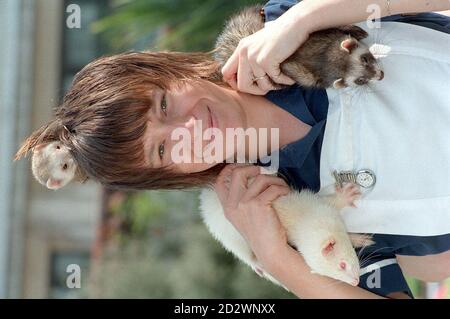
(348, 193)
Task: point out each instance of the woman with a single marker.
(118, 116)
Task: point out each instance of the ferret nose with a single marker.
(381, 76)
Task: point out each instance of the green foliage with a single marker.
(138, 210)
(176, 258)
(415, 286)
(182, 25)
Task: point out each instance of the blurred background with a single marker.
(127, 244)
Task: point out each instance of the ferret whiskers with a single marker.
(371, 255)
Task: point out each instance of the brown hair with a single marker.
(103, 117)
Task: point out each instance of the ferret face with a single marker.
(363, 68)
(362, 65)
(336, 258)
(60, 166)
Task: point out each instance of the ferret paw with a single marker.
(348, 194)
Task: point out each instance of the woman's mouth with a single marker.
(209, 118)
(212, 121)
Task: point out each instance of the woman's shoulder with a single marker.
(275, 8)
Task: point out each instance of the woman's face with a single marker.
(176, 111)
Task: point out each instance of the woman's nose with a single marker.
(189, 122)
(186, 122)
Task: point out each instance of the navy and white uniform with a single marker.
(398, 128)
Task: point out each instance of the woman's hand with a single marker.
(260, 55)
(249, 208)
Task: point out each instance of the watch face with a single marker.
(365, 179)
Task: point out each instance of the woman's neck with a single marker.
(261, 113)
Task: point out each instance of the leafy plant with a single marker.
(182, 25)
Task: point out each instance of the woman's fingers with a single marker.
(272, 193)
(246, 70)
(277, 76)
(241, 70)
(223, 181)
(263, 80)
(238, 185)
(230, 69)
(260, 184)
(250, 61)
(264, 84)
(221, 185)
(255, 219)
(245, 82)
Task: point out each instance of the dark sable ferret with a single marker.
(331, 57)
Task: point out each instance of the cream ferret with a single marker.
(313, 226)
(54, 167)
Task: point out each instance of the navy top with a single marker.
(299, 164)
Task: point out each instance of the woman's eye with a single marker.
(164, 104)
(161, 151)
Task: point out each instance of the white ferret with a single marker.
(313, 226)
(53, 166)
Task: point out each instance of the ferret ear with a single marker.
(53, 184)
(339, 84)
(39, 147)
(328, 247)
(354, 31)
(349, 44)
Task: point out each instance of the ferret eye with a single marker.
(361, 81)
(58, 147)
(364, 60)
(64, 167)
